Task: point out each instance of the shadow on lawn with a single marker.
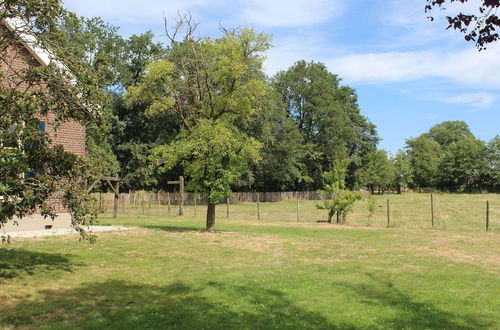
(123, 305)
(410, 314)
(17, 262)
(173, 228)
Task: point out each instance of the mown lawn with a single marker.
(457, 212)
(167, 274)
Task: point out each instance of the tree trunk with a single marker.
(330, 215)
(210, 218)
(338, 217)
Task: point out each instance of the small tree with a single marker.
(213, 156)
(210, 85)
(339, 201)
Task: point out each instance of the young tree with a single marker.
(402, 170)
(31, 168)
(209, 84)
(213, 155)
(339, 201)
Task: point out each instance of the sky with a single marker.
(409, 73)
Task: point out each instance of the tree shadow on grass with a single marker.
(18, 262)
(409, 313)
(174, 229)
(124, 305)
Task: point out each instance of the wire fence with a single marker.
(407, 210)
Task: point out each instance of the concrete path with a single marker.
(57, 232)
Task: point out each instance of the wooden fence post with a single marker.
(388, 214)
(297, 207)
(168, 203)
(101, 206)
(227, 207)
(149, 203)
(432, 210)
(117, 196)
(487, 215)
(195, 197)
(258, 207)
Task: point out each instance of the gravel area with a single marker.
(57, 232)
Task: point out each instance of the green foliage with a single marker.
(447, 132)
(461, 164)
(449, 157)
(327, 116)
(32, 170)
(402, 170)
(424, 157)
(339, 201)
(492, 170)
(213, 156)
(209, 85)
(377, 172)
(283, 151)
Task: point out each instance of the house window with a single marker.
(41, 126)
(9, 139)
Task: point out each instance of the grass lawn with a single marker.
(457, 212)
(168, 274)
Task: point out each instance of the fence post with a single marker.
(149, 203)
(117, 196)
(297, 207)
(168, 202)
(388, 214)
(195, 198)
(227, 207)
(101, 206)
(432, 210)
(487, 215)
(258, 206)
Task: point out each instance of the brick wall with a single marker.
(16, 59)
(71, 134)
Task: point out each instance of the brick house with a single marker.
(19, 56)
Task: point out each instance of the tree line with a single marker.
(303, 118)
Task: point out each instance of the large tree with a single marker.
(31, 168)
(209, 84)
(462, 164)
(327, 115)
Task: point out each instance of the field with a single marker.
(410, 210)
(272, 274)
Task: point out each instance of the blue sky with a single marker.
(410, 73)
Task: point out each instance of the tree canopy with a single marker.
(210, 85)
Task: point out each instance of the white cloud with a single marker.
(469, 67)
(291, 12)
(475, 100)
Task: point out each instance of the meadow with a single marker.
(165, 273)
(408, 210)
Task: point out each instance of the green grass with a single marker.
(410, 210)
(283, 275)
